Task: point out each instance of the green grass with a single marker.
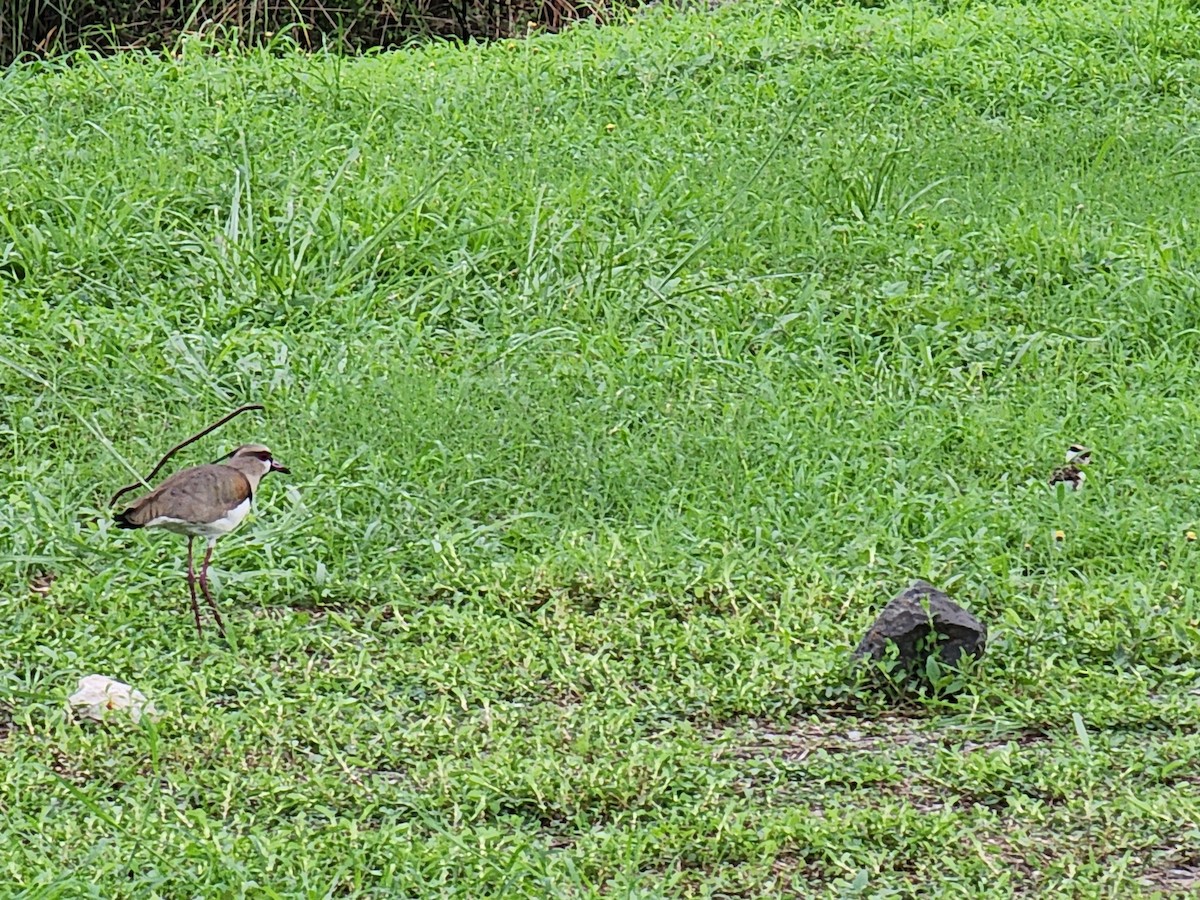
(624, 375)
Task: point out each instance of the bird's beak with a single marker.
(280, 467)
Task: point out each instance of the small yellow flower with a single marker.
(610, 127)
(1191, 535)
(1059, 534)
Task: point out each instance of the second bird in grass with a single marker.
(1072, 473)
(204, 501)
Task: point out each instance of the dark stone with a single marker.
(907, 619)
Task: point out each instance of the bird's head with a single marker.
(1079, 455)
(249, 454)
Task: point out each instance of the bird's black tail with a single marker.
(122, 520)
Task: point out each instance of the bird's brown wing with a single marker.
(1063, 473)
(200, 494)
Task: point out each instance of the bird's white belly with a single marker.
(213, 529)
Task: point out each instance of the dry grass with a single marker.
(40, 28)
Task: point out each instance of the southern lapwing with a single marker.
(1072, 473)
(204, 501)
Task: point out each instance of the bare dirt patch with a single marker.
(796, 741)
(1175, 873)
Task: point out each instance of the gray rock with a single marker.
(908, 618)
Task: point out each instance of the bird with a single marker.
(205, 501)
(1072, 474)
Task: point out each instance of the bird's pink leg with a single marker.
(192, 586)
(204, 587)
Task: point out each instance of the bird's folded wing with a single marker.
(202, 494)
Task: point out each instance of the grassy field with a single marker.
(624, 375)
